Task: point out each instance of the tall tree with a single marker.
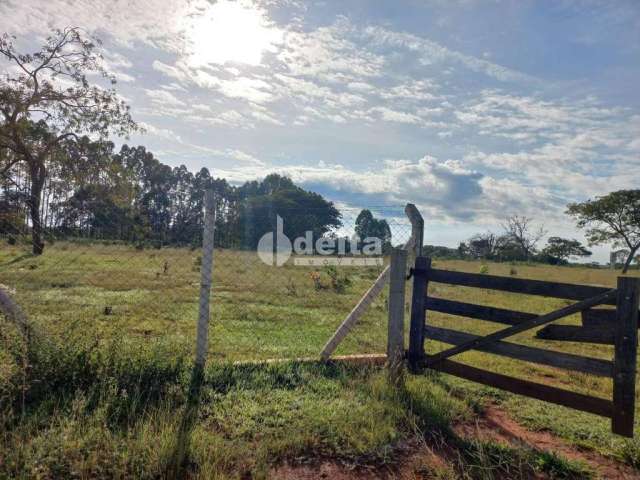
(520, 231)
(612, 218)
(46, 98)
(300, 210)
(369, 226)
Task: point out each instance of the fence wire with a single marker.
(86, 282)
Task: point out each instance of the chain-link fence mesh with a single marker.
(89, 281)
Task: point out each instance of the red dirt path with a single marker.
(416, 461)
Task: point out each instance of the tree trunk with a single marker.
(35, 195)
(632, 252)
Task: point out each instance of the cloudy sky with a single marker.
(473, 110)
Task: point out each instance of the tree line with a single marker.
(92, 190)
(519, 241)
(610, 219)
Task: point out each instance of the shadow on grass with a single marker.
(178, 462)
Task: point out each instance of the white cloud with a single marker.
(164, 98)
(430, 52)
(328, 53)
(446, 189)
(253, 90)
(397, 116)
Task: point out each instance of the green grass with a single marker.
(126, 409)
(117, 411)
(105, 395)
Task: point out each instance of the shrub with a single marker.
(339, 283)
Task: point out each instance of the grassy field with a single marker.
(106, 391)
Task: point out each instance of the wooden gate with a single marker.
(618, 327)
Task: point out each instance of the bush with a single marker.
(339, 283)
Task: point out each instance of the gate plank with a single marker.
(526, 325)
(593, 366)
(518, 285)
(576, 333)
(479, 312)
(586, 403)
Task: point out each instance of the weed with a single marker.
(339, 281)
(557, 467)
(629, 452)
(291, 288)
(317, 281)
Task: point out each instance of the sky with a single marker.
(472, 110)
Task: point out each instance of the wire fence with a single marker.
(279, 289)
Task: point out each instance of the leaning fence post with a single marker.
(626, 348)
(13, 312)
(205, 278)
(395, 335)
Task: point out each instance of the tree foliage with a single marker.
(367, 226)
(46, 98)
(613, 218)
(301, 210)
(562, 249)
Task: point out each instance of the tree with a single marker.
(483, 245)
(612, 218)
(520, 231)
(300, 210)
(46, 98)
(563, 249)
(369, 226)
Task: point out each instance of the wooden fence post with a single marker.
(417, 228)
(418, 312)
(206, 268)
(626, 348)
(395, 335)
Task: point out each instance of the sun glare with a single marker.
(233, 32)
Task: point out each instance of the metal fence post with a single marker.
(395, 335)
(205, 278)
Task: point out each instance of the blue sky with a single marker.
(473, 110)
